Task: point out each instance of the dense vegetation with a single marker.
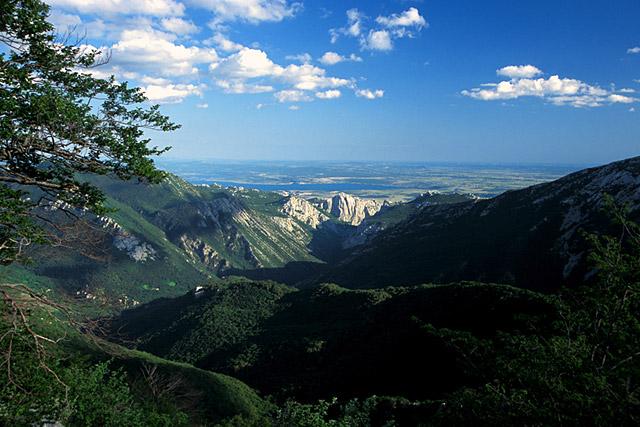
(56, 368)
(462, 354)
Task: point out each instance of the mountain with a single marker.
(329, 341)
(531, 238)
(162, 240)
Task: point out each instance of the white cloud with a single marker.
(154, 52)
(519, 71)
(202, 106)
(294, 107)
(253, 11)
(634, 50)
(246, 64)
(332, 58)
(224, 44)
(303, 58)
(632, 110)
(64, 22)
(169, 93)
(369, 94)
(292, 95)
(558, 91)
(409, 18)
(141, 7)
(627, 90)
(353, 28)
(250, 64)
(621, 99)
(380, 37)
(377, 40)
(240, 87)
(329, 94)
(309, 77)
(179, 26)
(151, 57)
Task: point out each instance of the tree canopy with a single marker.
(58, 121)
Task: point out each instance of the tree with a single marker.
(58, 122)
(587, 370)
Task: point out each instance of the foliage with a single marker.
(331, 341)
(54, 369)
(586, 374)
(57, 121)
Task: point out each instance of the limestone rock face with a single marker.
(203, 253)
(350, 209)
(136, 249)
(303, 211)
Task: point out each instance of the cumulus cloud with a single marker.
(224, 44)
(519, 71)
(294, 107)
(292, 95)
(202, 105)
(239, 69)
(303, 58)
(64, 22)
(409, 18)
(153, 51)
(139, 7)
(353, 27)
(332, 58)
(151, 58)
(387, 28)
(253, 11)
(558, 91)
(309, 77)
(246, 64)
(329, 94)
(179, 26)
(377, 40)
(369, 94)
(165, 92)
(633, 50)
(239, 87)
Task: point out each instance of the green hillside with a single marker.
(327, 341)
(57, 370)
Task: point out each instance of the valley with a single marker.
(302, 299)
(284, 213)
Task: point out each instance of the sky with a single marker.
(554, 82)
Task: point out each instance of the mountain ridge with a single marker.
(530, 237)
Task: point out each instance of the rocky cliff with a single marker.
(350, 209)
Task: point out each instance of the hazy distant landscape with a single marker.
(395, 181)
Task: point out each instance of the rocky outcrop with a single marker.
(136, 249)
(350, 209)
(203, 252)
(303, 211)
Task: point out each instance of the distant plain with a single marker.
(392, 181)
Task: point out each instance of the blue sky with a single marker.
(469, 81)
